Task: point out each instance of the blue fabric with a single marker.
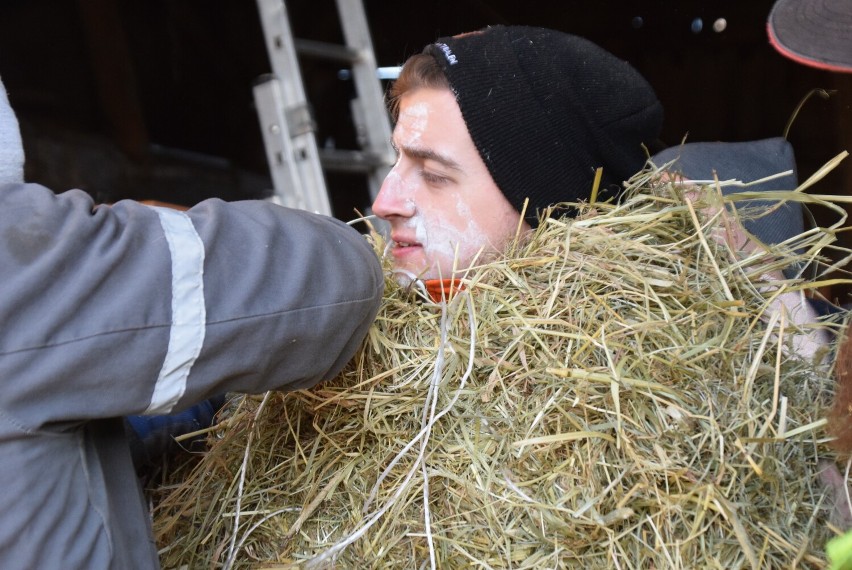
(745, 161)
(152, 437)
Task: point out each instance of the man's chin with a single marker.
(405, 276)
(404, 279)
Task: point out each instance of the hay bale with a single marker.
(611, 394)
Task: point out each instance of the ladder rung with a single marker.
(325, 50)
(342, 160)
(296, 163)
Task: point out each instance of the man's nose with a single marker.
(395, 197)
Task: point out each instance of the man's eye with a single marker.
(432, 178)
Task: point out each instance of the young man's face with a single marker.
(439, 198)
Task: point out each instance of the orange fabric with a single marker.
(164, 204)
(441, 289)
(840, 415)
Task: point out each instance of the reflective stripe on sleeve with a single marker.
(188, 311)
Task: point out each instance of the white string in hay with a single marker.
(232, 550)
(429, 420)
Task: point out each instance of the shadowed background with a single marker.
(152, 99)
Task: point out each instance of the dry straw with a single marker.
(614, 393)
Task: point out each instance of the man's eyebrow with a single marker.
(429, 154)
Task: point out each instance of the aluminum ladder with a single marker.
(295, 161)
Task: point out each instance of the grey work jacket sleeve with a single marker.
(129, 309)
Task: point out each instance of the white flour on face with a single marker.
(445, 227)
(396, 187)
(414, 120)
(409, 131)
(441, 239)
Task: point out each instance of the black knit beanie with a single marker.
(545, 109)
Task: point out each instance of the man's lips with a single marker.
(403, 248)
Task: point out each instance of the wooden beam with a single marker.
(114, 75)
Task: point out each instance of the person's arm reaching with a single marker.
(131, 309)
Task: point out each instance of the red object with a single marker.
(840, 415)
(443, 289)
